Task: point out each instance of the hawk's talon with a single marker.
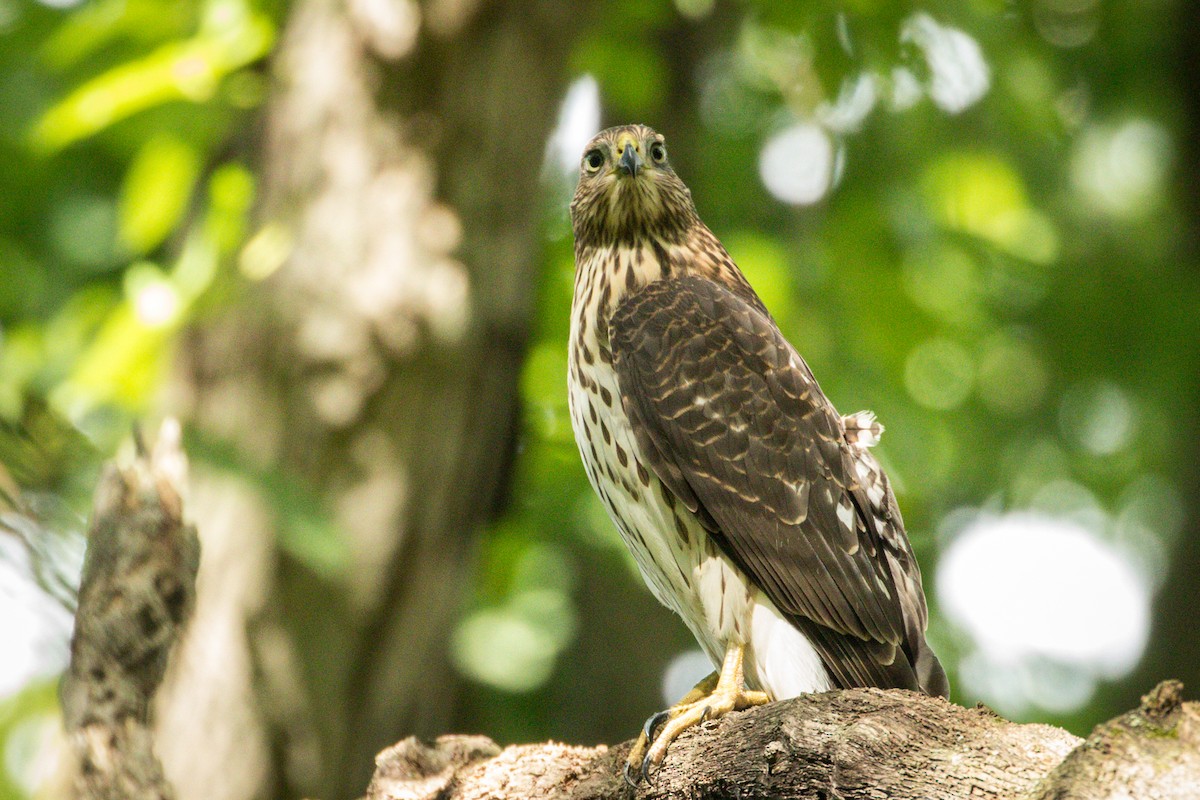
(625, 773)
(646, 767)
(635, 776)
(653, 723)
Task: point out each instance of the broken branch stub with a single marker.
(137, 591)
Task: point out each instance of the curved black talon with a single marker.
(653, 723)
(643, 773)
(629, 779)
(705, 715)
(646, 766)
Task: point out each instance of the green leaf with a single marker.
(156, 190)
(189, 70)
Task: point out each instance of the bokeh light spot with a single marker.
(983, 195)
(1012, 375)
(578, 122)
(503, 649)
(1120, 171)
(939, 373)
(797, 164)
(959, 73)
(682, 673)
(1099, 417)
(854, 102)
(1066, 23)
(1028, 585)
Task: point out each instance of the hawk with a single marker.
(753, 509)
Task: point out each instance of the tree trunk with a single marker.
(372, 378)
(1174, 648)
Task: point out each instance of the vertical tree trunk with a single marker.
(378, 366)
(1173, 649)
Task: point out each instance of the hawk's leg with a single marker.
(713, 697)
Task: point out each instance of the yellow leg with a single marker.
(713, 697)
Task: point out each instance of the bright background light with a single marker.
(578, 122)
(1044, 596)
(34, 627)
(797, 164)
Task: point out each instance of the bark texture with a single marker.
(139, 584)
(858, 744)
(370, 377)
(1150, 753)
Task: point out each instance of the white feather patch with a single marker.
(781, 660)
(845, 515)
(862, 429)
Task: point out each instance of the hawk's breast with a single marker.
(667, 541)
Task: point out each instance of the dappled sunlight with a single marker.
(1047, 598)
(578, 122)
(512, 642)
(156, 302)
(797, 164)
(156, 190)
(186, 70)
(35, 752)
(981, 194)
(390, 25)
(289, 221)
(34, 626)
(1120, 170)
(959, 74)
(800, 163)
(265, 252)
(854, 102)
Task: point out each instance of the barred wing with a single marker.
(733, 422)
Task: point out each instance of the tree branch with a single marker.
(849, 745)
(139, 583)
(138, 590)
(1150, 753)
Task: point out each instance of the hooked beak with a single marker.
(630, 161)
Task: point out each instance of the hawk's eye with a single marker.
(658, 152)
(594, 160)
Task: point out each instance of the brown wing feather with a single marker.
(733, 422)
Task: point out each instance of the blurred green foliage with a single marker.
(123, 205)
(1006, 285)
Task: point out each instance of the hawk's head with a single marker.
(628, 192)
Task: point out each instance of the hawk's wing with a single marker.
(733, 422)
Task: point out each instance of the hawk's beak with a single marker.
(630, 161)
